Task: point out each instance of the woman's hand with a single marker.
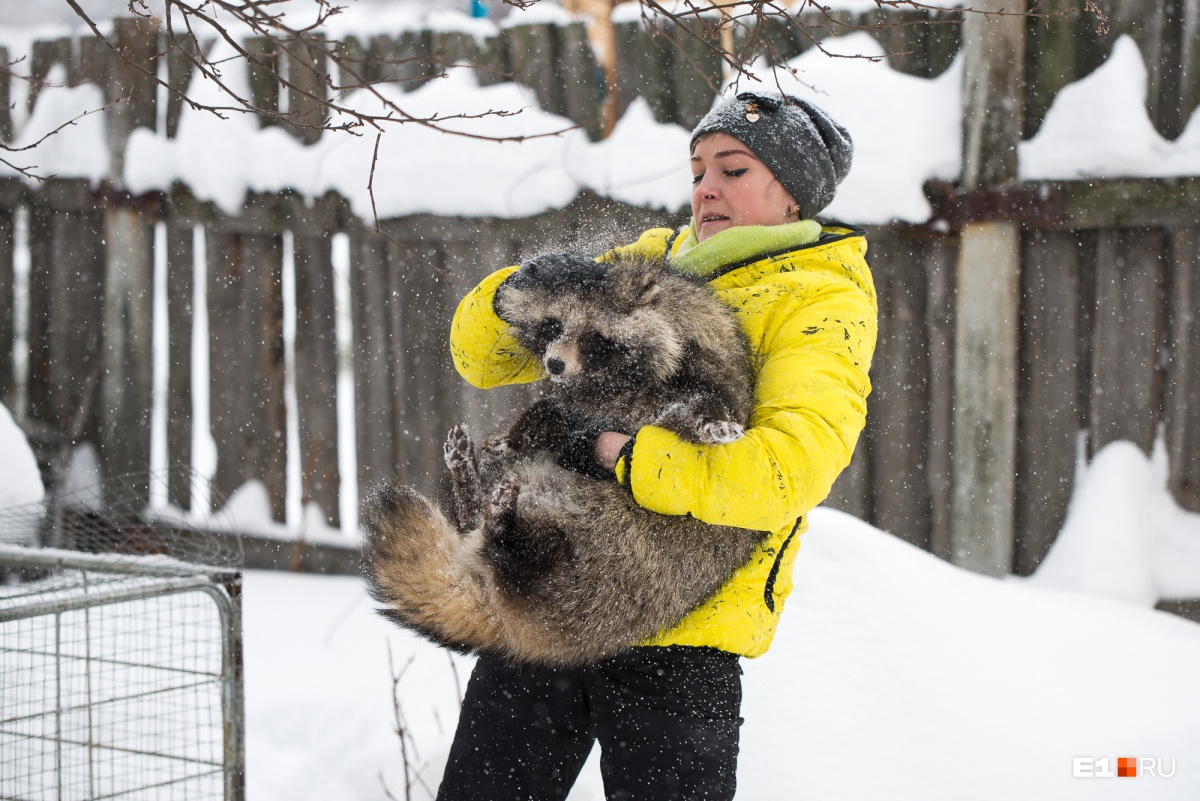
(608, 447)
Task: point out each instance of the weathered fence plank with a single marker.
(130, 86)
(127, 385)
(642, 67)
(899, 407)
(579, 78)
(65, 318)
(307, 73)
(5, 102)
(262, 66)
(532, 60)
(43, 56)
(376, 357)
(316, 372)
(179, 76)
(1048, 415)
(940, 258)
(8, 382)
(1182, 390)
(245, 323)
(180, 319)
(430, 385)
(851, 492)
(403, 59)
(1125, 372)
(695, 70)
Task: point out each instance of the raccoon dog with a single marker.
(543, 565)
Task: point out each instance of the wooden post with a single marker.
(987, 316)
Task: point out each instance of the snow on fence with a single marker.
(1108, 328)
(120, 677)
(673, 70)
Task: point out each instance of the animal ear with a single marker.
(648, 289)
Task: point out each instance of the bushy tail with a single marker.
(425, 572)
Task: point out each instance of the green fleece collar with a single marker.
(738, 244)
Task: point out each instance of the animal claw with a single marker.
(457, 449)
(504, 498)
(721, 432)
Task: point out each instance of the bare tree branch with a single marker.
(28, 171)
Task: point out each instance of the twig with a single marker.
(375, 215)
(401, 730)
(27, 171)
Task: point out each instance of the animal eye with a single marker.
(549, 330)
(599, 349)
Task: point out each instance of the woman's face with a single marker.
(730, 187)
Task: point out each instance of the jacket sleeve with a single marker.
(810, 406)
(485, 353)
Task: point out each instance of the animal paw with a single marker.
(721, 431)
(457, 449)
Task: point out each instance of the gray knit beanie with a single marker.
(806, 150)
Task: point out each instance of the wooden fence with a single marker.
(674, 71)
(1109, 320)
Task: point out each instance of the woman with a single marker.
(666, 712)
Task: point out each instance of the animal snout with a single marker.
(555, 365)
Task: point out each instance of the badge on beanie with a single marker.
(752, 114)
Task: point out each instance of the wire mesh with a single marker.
(114, 517)
(120, 677)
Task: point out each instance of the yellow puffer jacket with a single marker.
(810, 316)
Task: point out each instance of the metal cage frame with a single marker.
(131, 578)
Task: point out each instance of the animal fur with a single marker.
(538, 563)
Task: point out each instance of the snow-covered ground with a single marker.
(894, 675)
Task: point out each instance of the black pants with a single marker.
(667, 720)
